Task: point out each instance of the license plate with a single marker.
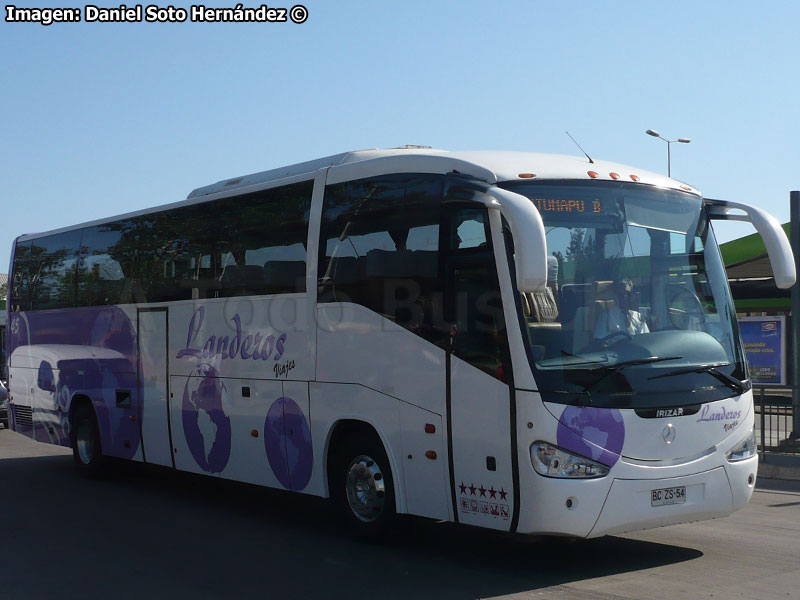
(671, 495)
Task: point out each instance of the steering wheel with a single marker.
(683, 305)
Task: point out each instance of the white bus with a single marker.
(525, 342)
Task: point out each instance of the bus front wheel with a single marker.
(362, 487)
(87, 452)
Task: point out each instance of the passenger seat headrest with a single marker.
(552, 269)
(604, 290)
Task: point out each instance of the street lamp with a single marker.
(669, 159)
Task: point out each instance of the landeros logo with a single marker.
(255, 346)
(718, 414)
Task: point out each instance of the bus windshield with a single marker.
(637, 312)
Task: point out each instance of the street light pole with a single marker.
(669, 143)
(669, 159)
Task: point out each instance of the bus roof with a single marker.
(491, 166)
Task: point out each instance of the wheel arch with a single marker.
(80, 399)
(363, 426)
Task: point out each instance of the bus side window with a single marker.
(470, 229)
(480, 336)
(105, 271)
(261, 241)
(55, 268)
(174, 269)
(475, 307)
(19, 285)
(379, 247)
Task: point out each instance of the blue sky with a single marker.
(100, 119)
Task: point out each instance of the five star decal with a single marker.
(483, 508)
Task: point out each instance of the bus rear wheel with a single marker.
(87, 452)
(362, 488)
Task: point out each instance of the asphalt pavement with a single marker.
(148, 532)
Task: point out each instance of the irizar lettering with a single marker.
(669, 412)
(247, 346)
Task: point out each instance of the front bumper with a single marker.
(627, 506)
(621, 501)
(622, 504)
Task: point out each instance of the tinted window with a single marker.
(19, 280)
(470, 230)
(261, 240)
(106, 267)
(474, 303)
(177, 247)
(379, 247)
(53, 277)
(479, 332)
(249, 244)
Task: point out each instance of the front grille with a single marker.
(23, 416)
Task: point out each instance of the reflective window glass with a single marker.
(54, 275)
(105, 271)
(380, 248)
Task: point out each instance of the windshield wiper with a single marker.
(712, 369)
(617, 367)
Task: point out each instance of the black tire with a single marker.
(360, 461)
(87, 452)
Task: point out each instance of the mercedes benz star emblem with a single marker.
(669, 433)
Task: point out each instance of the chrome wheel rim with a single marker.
(366, 489)
(85, 442)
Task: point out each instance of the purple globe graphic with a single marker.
(597, 433)
(205, 425)
(287, 439)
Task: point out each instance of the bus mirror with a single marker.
(778, 248)
(530, 243)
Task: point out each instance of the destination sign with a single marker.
(552, 205)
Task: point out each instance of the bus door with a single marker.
(153, 386)
(479, 387)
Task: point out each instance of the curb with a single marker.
(776, 466)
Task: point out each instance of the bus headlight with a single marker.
(744, 449)
(552, 461)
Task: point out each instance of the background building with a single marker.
(751, 279)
